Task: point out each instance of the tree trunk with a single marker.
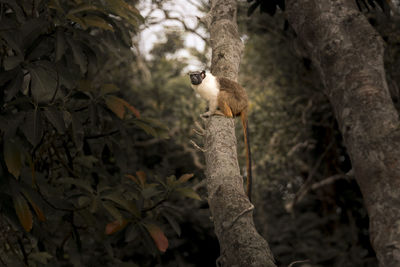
(348, 54)
(232, 212)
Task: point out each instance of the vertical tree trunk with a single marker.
(232, 212)
(348, 54)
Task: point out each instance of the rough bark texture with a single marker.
(348, 54)
(232, 212)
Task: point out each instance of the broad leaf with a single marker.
(126, 204)
(115, 226)
(12, 61)
(44, 83)
(188, 192)
(13, 40)
(56, 118)
(60, 43)
(118, 105)
(38, 211)
(184, 178)
(84, 184)
(142, 177)
(171, 220)
(31, 30)
(5, 76)
(95, 21)
(115, 105)
(41, 257)
(33, 126)
(146, 127)
(12, 157)
(83, 7)
(126, 11)
(77, 131)
(113, 211)
(108, 88)
(78, 54)
(23, 212)
(158, 236)
(14, 85)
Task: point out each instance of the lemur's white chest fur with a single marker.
(209, 88)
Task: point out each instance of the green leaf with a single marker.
(17, 9)
(10, 124)
(13, 40)
(132, 233)
(125, 11)
(23, 212)
(86, 161)
(173, 223)
(126, 204)
(188, 192)
(83, 201)
(95, 21)
(15, 85)
(184, 178)
(60, 44)
(83, 7)
(56, 118)
(145, 127)
(113, 211)
(12, 62)
(150, 192)
(77, 131)
(33, 126)
(38, 211)
(78, 54)
(43, 83)
(31, 30)
(12, 157)
(84, 184)
(5, 76)
(108, 88)
(171, 180)
(40, 257)
(77, 20)
(155, 123)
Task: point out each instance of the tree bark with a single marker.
(348, 54)
(232, 212)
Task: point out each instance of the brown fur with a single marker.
(233, 101)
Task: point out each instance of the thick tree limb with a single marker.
(232, 212)
(348, 54)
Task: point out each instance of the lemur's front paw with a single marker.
(206, 114)
(219, 113)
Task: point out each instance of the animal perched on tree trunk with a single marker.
(232, 101)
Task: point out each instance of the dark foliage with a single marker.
(70, 176)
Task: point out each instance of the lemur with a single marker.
(232, 101)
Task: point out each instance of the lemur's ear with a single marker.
(203, 74)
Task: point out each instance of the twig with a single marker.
(305, 188)
(197, 146)
(295, 262)
(329, 180)
(101, 135)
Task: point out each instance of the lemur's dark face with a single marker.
(196, 77)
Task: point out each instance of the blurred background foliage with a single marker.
(96, 160)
